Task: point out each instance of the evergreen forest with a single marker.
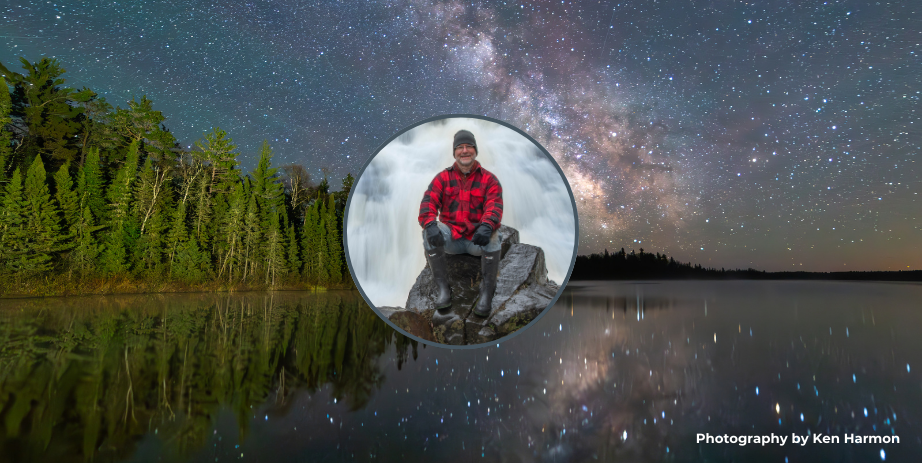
(645, 265)
(96, 199)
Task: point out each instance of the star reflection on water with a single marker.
(616, 371)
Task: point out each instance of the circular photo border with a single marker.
(562, 285)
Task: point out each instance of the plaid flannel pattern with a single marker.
(463, 203)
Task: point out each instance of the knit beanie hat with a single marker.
(463, 136)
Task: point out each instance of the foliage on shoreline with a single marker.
(95, 200)
(60, 286)
(644, 265)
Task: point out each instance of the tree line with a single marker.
(621, 265)
(645, 265)
(88, 191)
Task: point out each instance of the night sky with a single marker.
(732, 134)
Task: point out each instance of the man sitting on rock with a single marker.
(460, 213)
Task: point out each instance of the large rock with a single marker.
(463, 277)
(409, 321)
(522, 292)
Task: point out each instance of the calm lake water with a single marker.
(617, 371)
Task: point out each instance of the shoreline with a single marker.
(911, 276)
(61, 287)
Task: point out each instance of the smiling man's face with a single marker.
(465, 154)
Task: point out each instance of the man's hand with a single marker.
(434, 235)
(482, 235)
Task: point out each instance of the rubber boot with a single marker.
(489, 267)
(436, 258)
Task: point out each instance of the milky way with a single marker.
(766, 135)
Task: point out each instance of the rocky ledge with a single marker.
(522, 293)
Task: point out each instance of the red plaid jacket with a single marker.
(462, 202)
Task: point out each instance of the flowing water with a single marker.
(617, 371)
(384, 237)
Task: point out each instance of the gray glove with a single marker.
(482, 235)
(434, 235)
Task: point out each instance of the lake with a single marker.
(616, 371)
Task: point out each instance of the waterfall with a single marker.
(382, 231)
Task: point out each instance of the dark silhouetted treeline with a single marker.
(91, 194)
(641, 266)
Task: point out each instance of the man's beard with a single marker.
(460, 161)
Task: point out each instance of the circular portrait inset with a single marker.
(461, 231)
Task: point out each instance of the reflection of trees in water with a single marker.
(85, 378)
(623, 303)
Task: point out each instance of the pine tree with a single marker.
(187, 261)
(217, 160)
(266, 187)
(50, 111)
(219, 153)
(233, 231)
(119, 194)
(114, 257)
(202, 201)
(323, 253)
(149, 252)
(323, 188)
(68, 202)
(140, 123)
(267, 201)
(190, 264)
(118, 241)
(42, 228)
(275, 251)
(277, 237)
(220, 208)
(252, 237)
(333, 243)
(310, 243)
(96, 127)
(294, 252)
(86, 249)
(12, 225)
(6, 151)
(342, 197)
(176, 236)
(90, 185)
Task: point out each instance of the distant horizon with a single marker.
(753, 267)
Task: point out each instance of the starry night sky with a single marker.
(732, 134)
